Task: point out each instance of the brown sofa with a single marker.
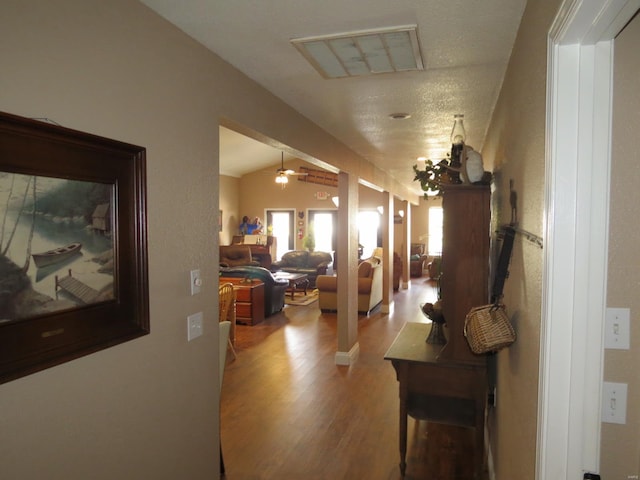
(369, 287)
(302, 261)
(236, 255)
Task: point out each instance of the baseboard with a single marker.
(387, 308)
(348, 358)
(490, 466)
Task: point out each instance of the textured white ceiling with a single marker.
(465, 45)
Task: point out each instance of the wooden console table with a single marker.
(249, 299)
(437, 390)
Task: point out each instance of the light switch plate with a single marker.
(616, 328)
(196, 281)
(614, 402)
(194, 326)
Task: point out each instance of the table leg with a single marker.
(403, 437)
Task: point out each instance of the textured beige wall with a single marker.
(516, 147)
(620, 445)
(229, 193)
(259, 192)
(145, 409)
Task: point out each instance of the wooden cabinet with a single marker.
(449, 385)
(249, 299)
(465, 264)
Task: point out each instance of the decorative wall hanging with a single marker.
(319, 177)
(73, 245)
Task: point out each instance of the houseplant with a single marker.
(309, 240)
(432, 177)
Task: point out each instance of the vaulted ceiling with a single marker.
(465, 47)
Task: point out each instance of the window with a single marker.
(435, 231)
(368, 223)
(323, 230)
(281, 224)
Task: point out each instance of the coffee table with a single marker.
(297, 281)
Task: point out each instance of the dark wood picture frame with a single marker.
(40, 149)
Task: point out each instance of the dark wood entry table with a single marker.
(437, 390)
(297, 281)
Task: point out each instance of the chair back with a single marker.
(223, 338)
(226, 302)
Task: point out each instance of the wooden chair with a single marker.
(227, 312)
(223, 339)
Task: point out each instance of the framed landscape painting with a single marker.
(73, 246)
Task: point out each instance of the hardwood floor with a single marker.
(288, 412)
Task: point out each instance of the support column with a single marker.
(348, 347)
(406, 242)
(387, 249)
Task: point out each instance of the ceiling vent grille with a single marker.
(364, 52)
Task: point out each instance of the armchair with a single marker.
(417, 260)
(369, 287)
(434, 267)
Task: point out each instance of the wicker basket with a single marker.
(488, 329)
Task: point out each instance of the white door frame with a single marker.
(580, 70)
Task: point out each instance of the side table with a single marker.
(249, 299)
(436, 390)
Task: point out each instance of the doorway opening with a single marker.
(324, 225)
(280, 224)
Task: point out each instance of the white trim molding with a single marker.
(578, 164)
(348, 358)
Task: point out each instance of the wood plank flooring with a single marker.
(288, 412)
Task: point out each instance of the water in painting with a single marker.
(51, 230)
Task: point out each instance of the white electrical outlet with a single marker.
(614, 402)
(194, 326)
(616, 329)
(196, 281)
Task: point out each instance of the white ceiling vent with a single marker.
(364, 52)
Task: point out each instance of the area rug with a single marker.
(301, 300)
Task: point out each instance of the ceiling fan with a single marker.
(282, 174)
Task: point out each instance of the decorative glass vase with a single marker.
(458, 134)
(458, 137)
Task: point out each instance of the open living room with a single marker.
(280, 367)
(115, 205)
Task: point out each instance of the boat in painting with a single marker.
(56, 255)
